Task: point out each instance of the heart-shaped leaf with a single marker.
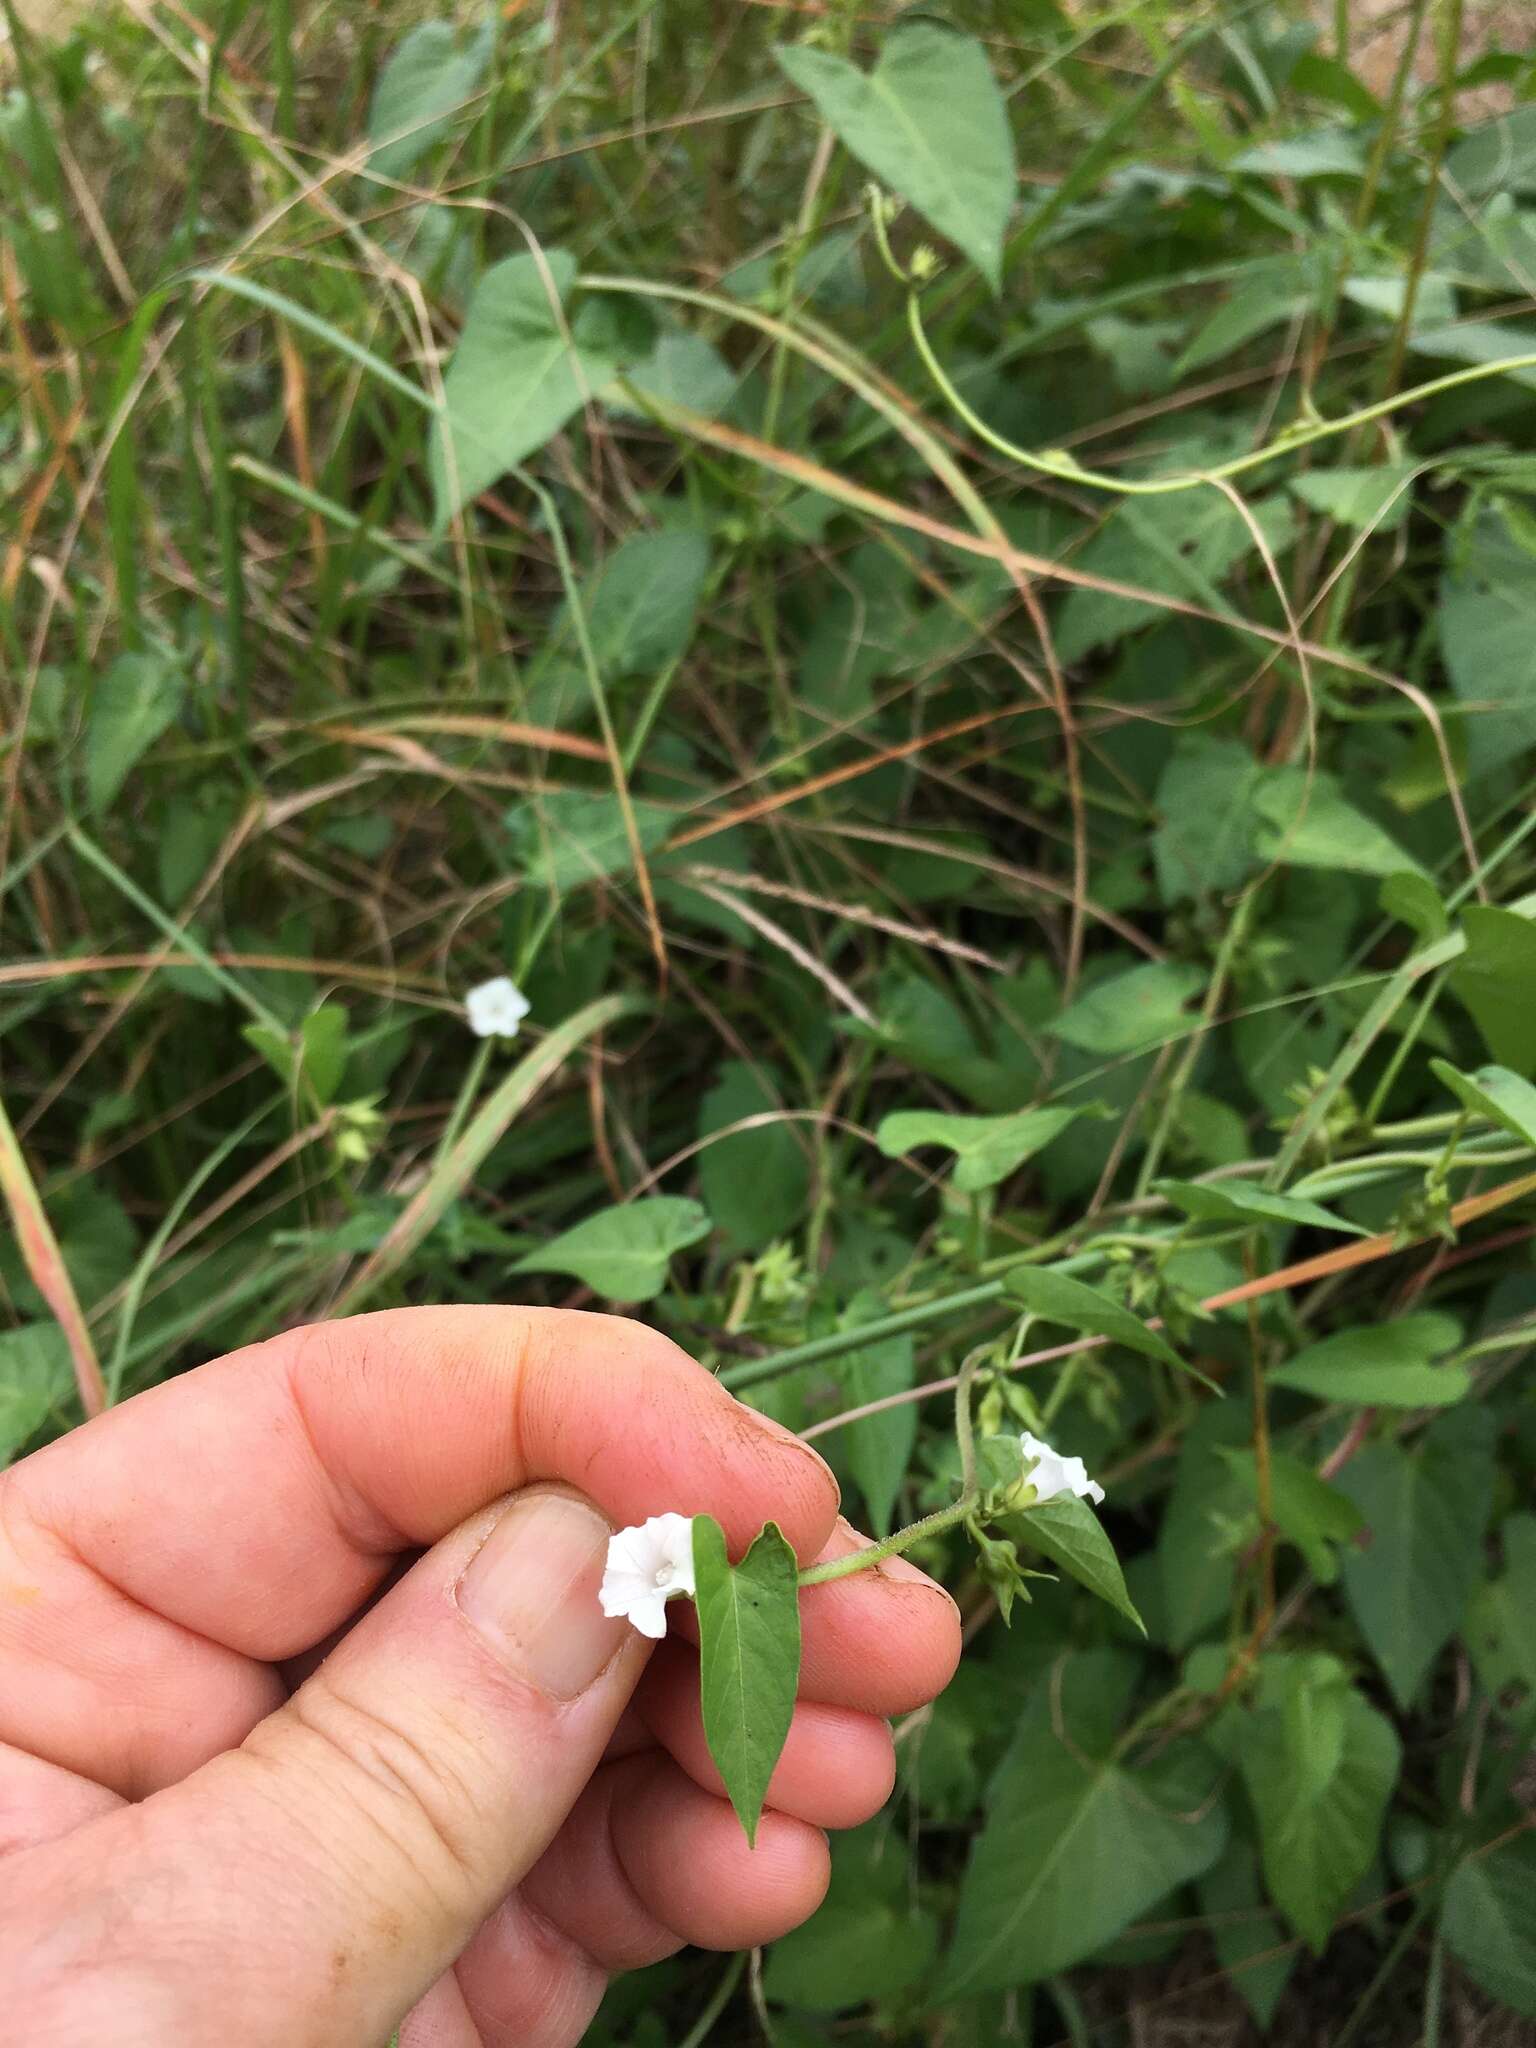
(1058, 1298)
(930, 122)
(623, 1252)
(749, 1658)
(986, 1148)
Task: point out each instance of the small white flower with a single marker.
(647, 1565)
(1055, 1474)
(496, 1008)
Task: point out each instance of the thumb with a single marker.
(365, 1829)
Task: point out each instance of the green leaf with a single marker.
(1058, 1298)
(868, 1939)
(986, 1148)
(34, 1378)
(681, 369)
(1415, 899)
(430, 74)
(1369, 500)
(515, 378)
(1249, 1941)
(1501, 1623)
(1326, 153)
(1070, 1534)
(623, 1252)
(1494, 1092)
(749, 1658)
(1204, 842)
(755, 1182)
(1487, 620)
(135, 702)
(572, 836)
(1381, 1365)
(1075, 1844)
(1126, 1012)
(641, 604)
(317, 1051)
(1498, 156)
(930, 122)
(1233, 1201)
(1319, 1764)
(1312, 825)
(1496, 979)
(1307, 1510)
(1426, 1511)
(880, 1447)
(1489, 1921)
(1207, 1520)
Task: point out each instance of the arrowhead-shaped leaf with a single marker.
(1058, 1298)
(749, 1658)
(1233, 1202)
(623, 1252)
(930, 122)
(986, 1148)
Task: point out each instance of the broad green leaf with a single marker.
(1325, 153)
(1415, 899)
(868, 1938)
(1312, 825)
(930, 122)
(623, 1252)
(1375, 500)
(1204, 842)
(879, 1449)
(1498, 156)
(1494, 1092)
(986, 1148)
(641, 604)
(1496, 979)
(34, 1378)
(515, 379)
(1267, 298)
(1233, 1201)
(1126, 1012)
(1077, 1844)
(1181, 546)
(136, 701)
(1307, 1510)
(749, 1658)
(1319, 1765)
(1489, 1921)
(1425, 1511)
(1381, 1365)
(1069, 1533)
(1250, 1942)
(681, 369)
(1487, 621)
(317, 1051)
(430, 74)
(1501, 1623)
(574, 836)
(755, 1182)
(1208, 1519)
(1058, 1298)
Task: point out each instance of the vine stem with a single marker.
(893, 1546)
(930, 1525)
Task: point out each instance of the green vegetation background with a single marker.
(476, 503)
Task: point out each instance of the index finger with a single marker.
(259, 1499)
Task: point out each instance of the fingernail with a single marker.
(531, 1591)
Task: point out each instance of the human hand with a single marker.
(487, 1796)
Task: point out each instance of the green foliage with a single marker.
(1076, 1844)
(1319, 1764)
(749, 1658)
(623, 1252)
(929, 121)
(481, 506)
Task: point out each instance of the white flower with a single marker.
(1055, 1474)
(496, 1008)
(646, 1566)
